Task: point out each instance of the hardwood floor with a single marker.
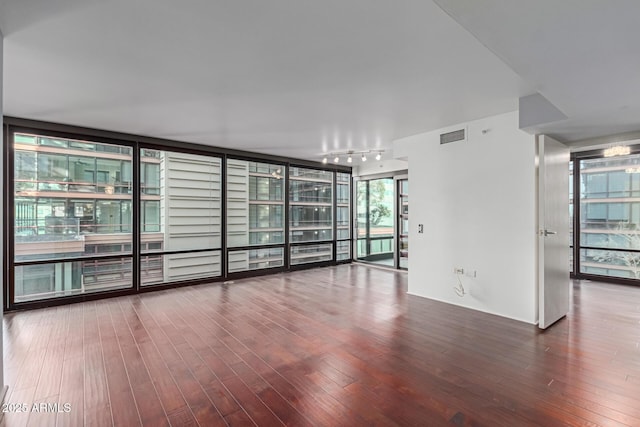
(337, 346)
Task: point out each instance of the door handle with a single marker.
(546, 232)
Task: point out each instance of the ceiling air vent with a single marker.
(455, 136)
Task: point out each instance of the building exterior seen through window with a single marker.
(310, 215)
(609, 228)
(255, 215)
(376, 220)
(403, 223)
(74, 210)
(73, 199)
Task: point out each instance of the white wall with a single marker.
(476, 200)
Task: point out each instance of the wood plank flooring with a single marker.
(336, 346)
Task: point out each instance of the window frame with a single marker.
(576, 245)
(84, 142)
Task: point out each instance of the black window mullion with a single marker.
(287, 242)
(136, 234)
(576, 217)
(9, 213)
(368, 221)
(224, 268)
(335, 216)
(398, 219)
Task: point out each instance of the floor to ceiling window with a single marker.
(375, 200)
(607, 228)
(72, 217)
(90, 215)
(255, 215)
(343, 216)
(310, 215)
(181, 213)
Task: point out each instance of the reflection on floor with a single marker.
(344, 345)
(387, 262)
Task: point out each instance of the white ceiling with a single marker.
(303, 77)
(286, 77)
(582, 55)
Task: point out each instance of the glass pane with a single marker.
(381, 246)
(610, 216)
(157, 269)
(310, 205)
(313, 175)
(342, 195)
(376, 220)
(53, 142)
(266, 237)
(255, 259)
(343, 250)
(299, 236)
(25, 170)
(404, 252)
(150, 170)
(52, 171)
(24, 139)
(82, 174)
(63, 207)
(151, 216)
(361, 209)
(403, 221)
(180, 211)
(255, 203)
(343, 234)
(342, 217)
(81, 145)
(310, 216)
(610, 263)
(310, 192)
(381, 198)
(181, 206)
(33, 282)
(343, 209)
(362, 248)
(310, 253)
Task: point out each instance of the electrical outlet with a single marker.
(458, 270)
(470, 273)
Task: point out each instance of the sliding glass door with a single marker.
(376, 221)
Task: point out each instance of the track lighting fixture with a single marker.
(349, 154)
